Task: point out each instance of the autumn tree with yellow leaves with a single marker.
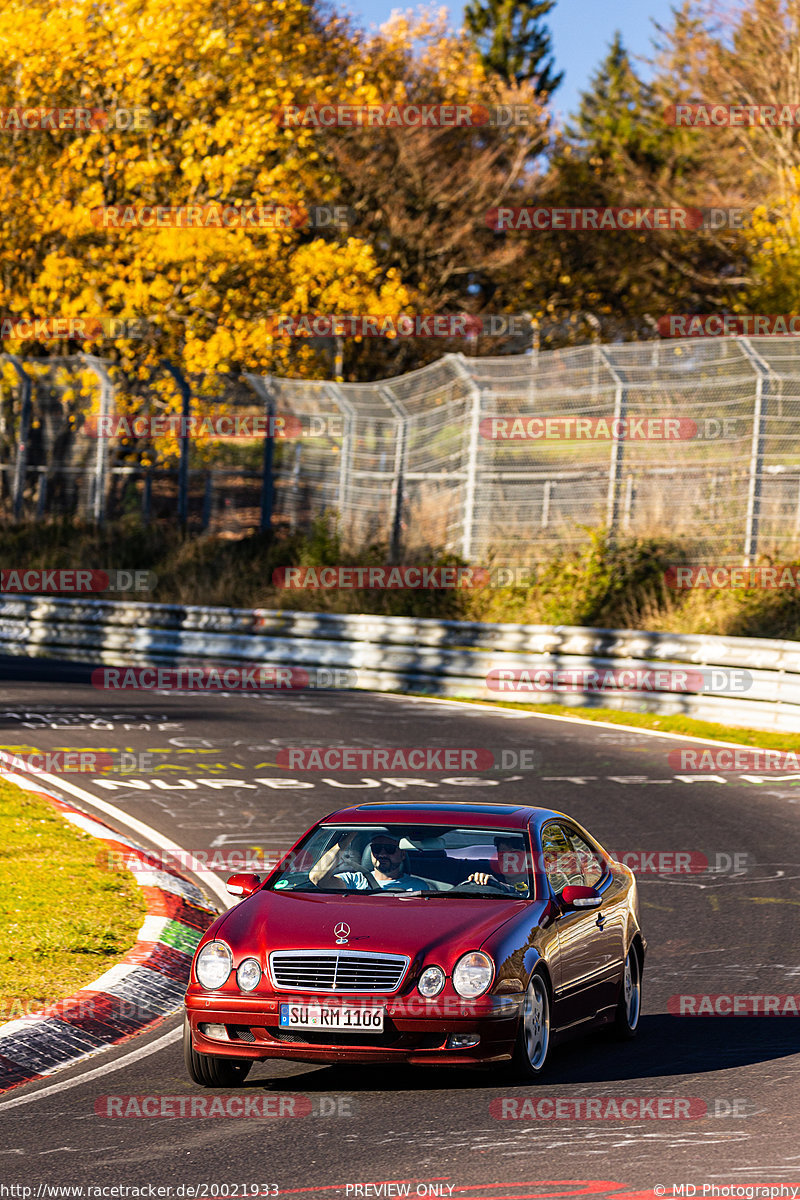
(214, 80)
(211, 77)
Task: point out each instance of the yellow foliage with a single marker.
(774, 235)
(206, 83)
(211, 80)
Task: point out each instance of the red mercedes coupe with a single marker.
(457, 934)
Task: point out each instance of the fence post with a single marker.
(534, 359)
(41, 495)
(262, 386)
(756, 469)
(617, 444)
(398, 474)
(183, 465)
(101, 460)
(629, 497)
(147, 495)
(24, 430)
(547, 492)
(471, 488)
(348, 446)
(207, 500)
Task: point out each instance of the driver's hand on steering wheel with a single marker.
(481, 877)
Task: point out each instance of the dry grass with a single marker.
(602, 585)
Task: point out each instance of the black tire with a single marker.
(209, 1070)
(532, 1047)
(629, 1008)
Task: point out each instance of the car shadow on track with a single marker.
(44, 670)
(666, 1046)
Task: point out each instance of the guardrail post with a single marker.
(24, 431)
(756, 470)
(183, 464)
(262, 386)
(617, 446)
(101, 459)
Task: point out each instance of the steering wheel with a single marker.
(470, 883)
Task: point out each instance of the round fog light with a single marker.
(463, 1041)
(431, 982)
(213, 1031)
(248, 975)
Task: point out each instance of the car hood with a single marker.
(269, 921)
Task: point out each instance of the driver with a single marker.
(388, 867)
(510, 874)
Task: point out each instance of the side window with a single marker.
(559, 859)
(590, 863)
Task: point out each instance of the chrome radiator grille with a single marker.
(336, 971)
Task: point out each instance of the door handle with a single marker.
(600, 921)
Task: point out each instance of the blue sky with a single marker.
(580, 29)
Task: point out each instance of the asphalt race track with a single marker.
(727, 931)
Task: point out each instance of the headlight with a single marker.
(213, 965)
(431, 981)
(473, 974)
(248, 975)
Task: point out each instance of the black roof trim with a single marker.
(489, 809)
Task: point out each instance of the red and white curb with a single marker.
(145, 986)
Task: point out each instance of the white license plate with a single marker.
(320, 1016)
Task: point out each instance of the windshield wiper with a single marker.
(308, 891)
(493, 894)
(389, 892)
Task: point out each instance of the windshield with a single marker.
(431, 860)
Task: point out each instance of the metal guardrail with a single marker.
(445, 658)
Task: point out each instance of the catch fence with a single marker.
(495, 459)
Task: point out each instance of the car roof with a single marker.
(478, 815)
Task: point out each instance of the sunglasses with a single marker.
(385, 847)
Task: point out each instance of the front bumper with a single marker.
(415, 1030)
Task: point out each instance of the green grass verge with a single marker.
(677, 724)
(64, 919)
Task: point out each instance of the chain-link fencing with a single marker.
(495, 459)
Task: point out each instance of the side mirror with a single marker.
(581, 897)
(243, 884)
